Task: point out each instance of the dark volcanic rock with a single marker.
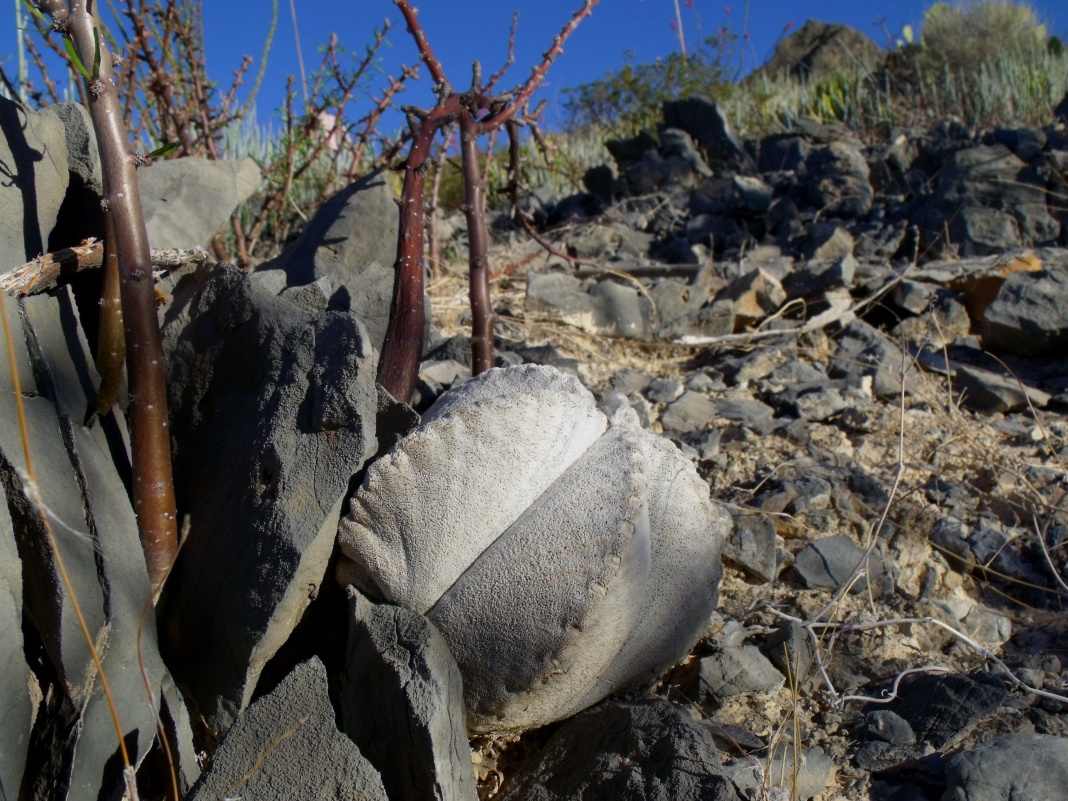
(864, 351)
(708, 126)
(990, 201)
(1019, 765)
(626, 751)
(751, 546)
(272, 411)
(1029, 315)
(943, 709)
(830, 561)
(837, 181)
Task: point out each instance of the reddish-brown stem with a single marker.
(433, 245)
(398, 366)
(482, 316)
(425, 53)
(153, 489)
(399, 362)
(514, 188)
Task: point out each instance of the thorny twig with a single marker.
(399, 361)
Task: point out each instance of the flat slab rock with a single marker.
(942, 710)
(402, 703)
(273, 409)
(78, 475)
(287, 746)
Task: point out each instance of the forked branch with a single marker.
(478, 112)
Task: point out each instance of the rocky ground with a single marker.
(895, 587)
(859, 346)
(929, 512)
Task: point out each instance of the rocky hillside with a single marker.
(859, 348)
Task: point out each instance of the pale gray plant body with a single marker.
(564, 553)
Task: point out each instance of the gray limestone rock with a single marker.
(830, 561)
(664, 390)
(186, 201)
(751, 546)
(83, 160)
(352, 242)
(692, 411)
(1018, 765)
(863, 351)
(286, 746)
(746, 411)
(402, 704)
(606, 308)
(678, 304)
(78, 477)
(616, 514)
(775, 773)
(272, 410)
(705, 443)
(630, 382)
(987, 391)
(626, 751)
(827, 242)
(33, 150)
(734, 671)
(17, 708)
(791, 649)
(819, 404)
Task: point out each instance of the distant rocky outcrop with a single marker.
(818, 50)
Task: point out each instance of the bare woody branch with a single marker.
(474, 208)
(538, 73)
(153, 488)
(42, 274)
(399, 362)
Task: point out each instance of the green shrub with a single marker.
(962, 38)
(628, 100)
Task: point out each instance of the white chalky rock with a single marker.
(564, 555)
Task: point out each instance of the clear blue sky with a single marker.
(463, 30)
